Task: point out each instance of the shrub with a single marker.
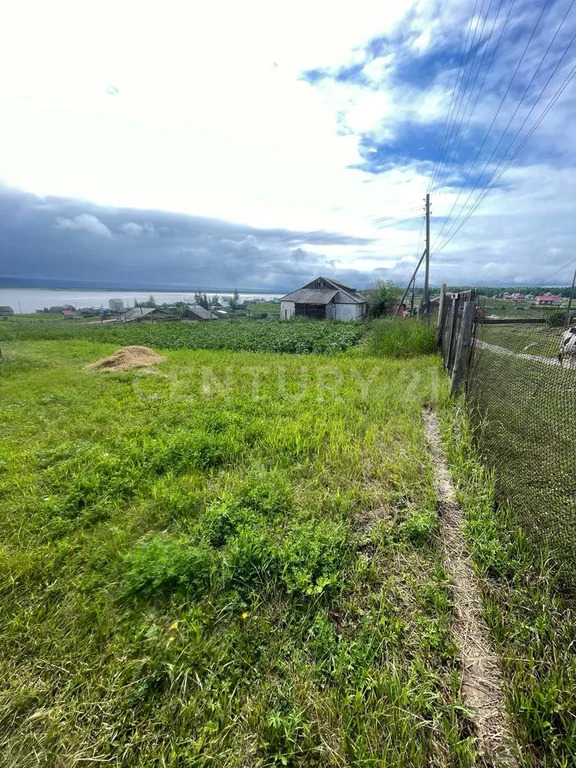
(402, 337)
(556, 318)
(163, 565)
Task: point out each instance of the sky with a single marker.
(259, 144)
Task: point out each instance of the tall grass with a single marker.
(401, 337)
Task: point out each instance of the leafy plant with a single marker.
(164, 564)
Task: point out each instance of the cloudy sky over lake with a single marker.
(257, 144)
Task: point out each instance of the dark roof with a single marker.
(6, 310)
(311, 296)
(199, 311)
(342, 294)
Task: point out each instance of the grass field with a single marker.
(232, 559)
(229, 561)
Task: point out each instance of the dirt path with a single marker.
(481, 674)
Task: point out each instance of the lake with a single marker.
(25, 300)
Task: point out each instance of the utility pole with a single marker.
(568, 311)
(426, 296)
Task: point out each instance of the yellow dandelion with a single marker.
(174, 624)
(245, 615)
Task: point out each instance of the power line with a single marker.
(457, 123)
(491, 126)
(487, 188)
(486, 71)
(494, 177)
(397, 222)
(456, 90)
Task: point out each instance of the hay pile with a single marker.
(126, 359)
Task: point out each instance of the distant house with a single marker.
(6, 311)
(139, 313)
(116, 305)
(549, 300)
(324, 299)
(196, 312)
(68, 313)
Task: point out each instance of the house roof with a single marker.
(6, 309)
(549, 296)
(342, 293)
(136, 313)
(205, 314)
(311, 296)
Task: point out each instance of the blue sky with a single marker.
(156, 138)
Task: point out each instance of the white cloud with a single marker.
(84, 222)
(138, 230)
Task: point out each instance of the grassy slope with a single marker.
(222, 564)
(532, 626)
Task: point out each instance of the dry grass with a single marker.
(126, 359)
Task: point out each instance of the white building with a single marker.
(324, 299)
(116, 305)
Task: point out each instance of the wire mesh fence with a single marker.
(522, 397)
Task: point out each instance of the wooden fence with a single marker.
(457, 313)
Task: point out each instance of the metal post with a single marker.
(463, 348)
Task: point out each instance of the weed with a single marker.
(165, 564)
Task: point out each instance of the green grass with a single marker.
(525, 339)
(402, 337)
(294, 337)
(264, 306)
(532, 625)
(228, 561)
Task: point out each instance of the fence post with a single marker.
(451, 328)
(440, 321)
(463, 348)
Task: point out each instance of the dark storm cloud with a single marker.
(64, 239)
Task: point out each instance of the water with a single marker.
(25, 300)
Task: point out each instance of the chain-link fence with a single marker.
(522, 398)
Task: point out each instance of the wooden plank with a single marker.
(463, 348)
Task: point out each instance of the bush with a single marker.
(164, 565)
(556, 318)
(383, 296)
(402, 337)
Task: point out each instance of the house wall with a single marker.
(349, 311)
(287, 310)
